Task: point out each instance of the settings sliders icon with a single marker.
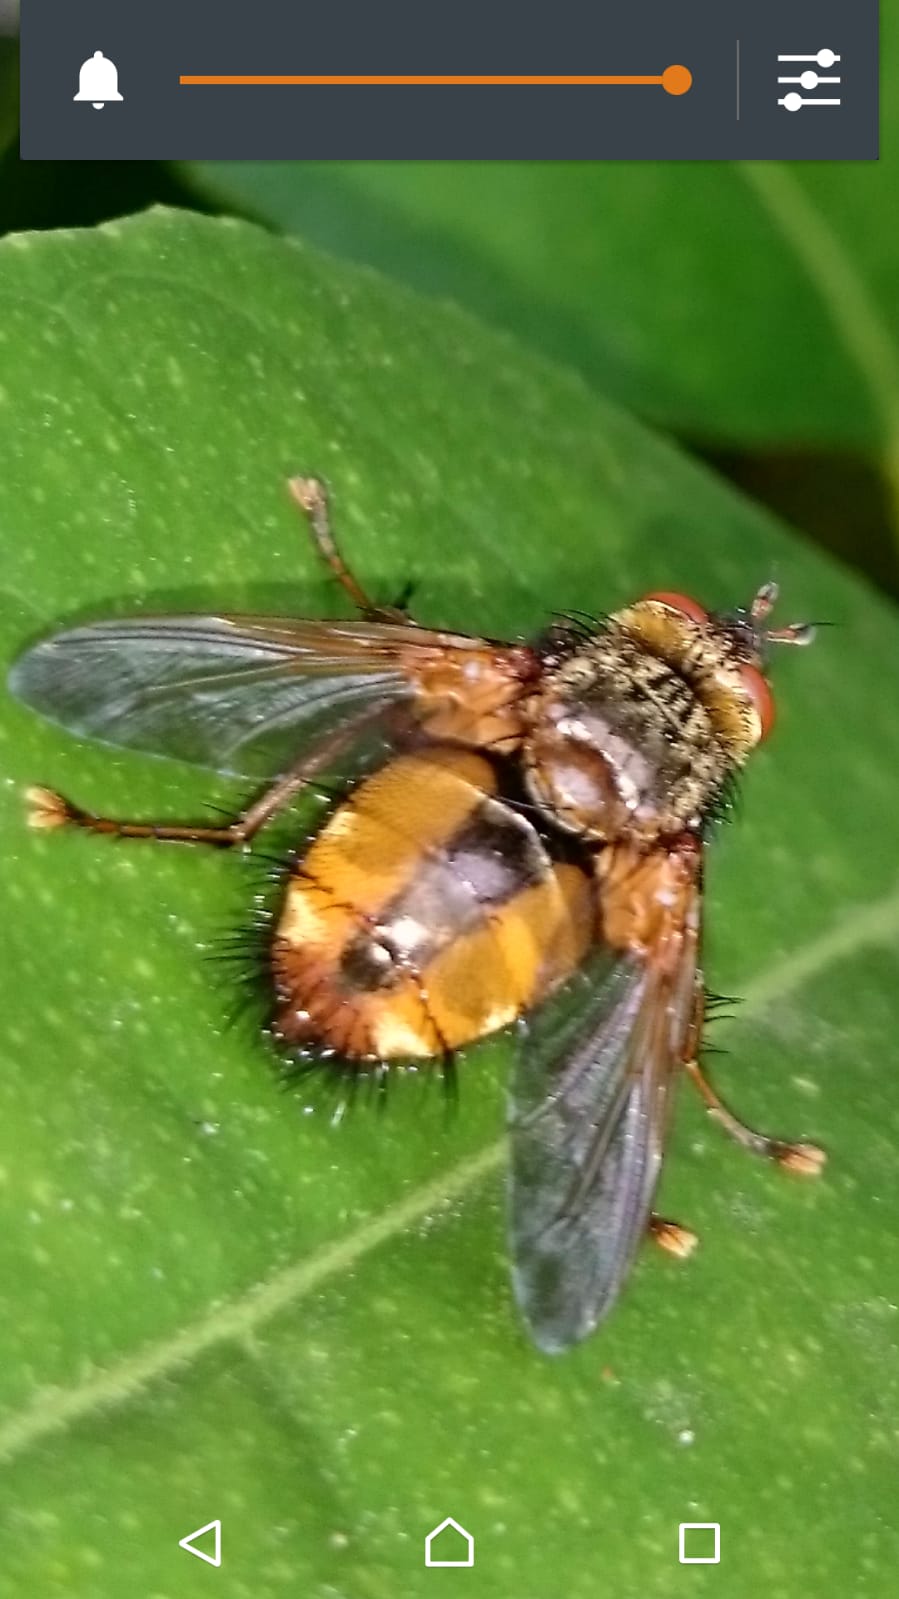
(808, 79)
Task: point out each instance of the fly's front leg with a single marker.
(311, 496)
(807, 1160)
(48, 810)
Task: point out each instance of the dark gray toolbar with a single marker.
(756, 79)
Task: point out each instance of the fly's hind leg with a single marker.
(48, 810)
(312, 498)
(807, 1160)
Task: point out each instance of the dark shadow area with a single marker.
(837, 498)
(79, 194)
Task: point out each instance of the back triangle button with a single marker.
(189, 1543)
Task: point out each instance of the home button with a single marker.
(449, 1545)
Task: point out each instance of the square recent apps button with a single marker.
(699, 1543)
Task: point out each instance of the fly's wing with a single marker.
(589, 1102)
(238, 694)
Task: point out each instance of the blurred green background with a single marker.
(213, 1303)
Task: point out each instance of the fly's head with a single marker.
(725, 655)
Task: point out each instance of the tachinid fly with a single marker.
(524, 849)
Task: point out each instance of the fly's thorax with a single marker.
(648, 898)
(473, 697)
(635, 734)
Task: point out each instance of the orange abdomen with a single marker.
(425, 914)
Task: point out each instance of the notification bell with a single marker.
(98, 81)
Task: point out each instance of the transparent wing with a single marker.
(589, 1103)
(235, 693)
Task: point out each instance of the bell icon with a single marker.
(98, 81)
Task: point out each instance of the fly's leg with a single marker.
(48, 810)
(311, 496)
(807, 1160)
(672, 1237)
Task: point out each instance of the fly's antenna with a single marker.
(761, 608)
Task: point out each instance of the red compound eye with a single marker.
(760, 695)
(682, 603)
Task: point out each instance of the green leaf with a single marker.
(217, 1305)
(740, 303)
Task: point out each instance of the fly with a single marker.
(523, 850)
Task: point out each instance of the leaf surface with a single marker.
(217, 1305)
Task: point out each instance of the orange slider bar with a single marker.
(674, 80)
